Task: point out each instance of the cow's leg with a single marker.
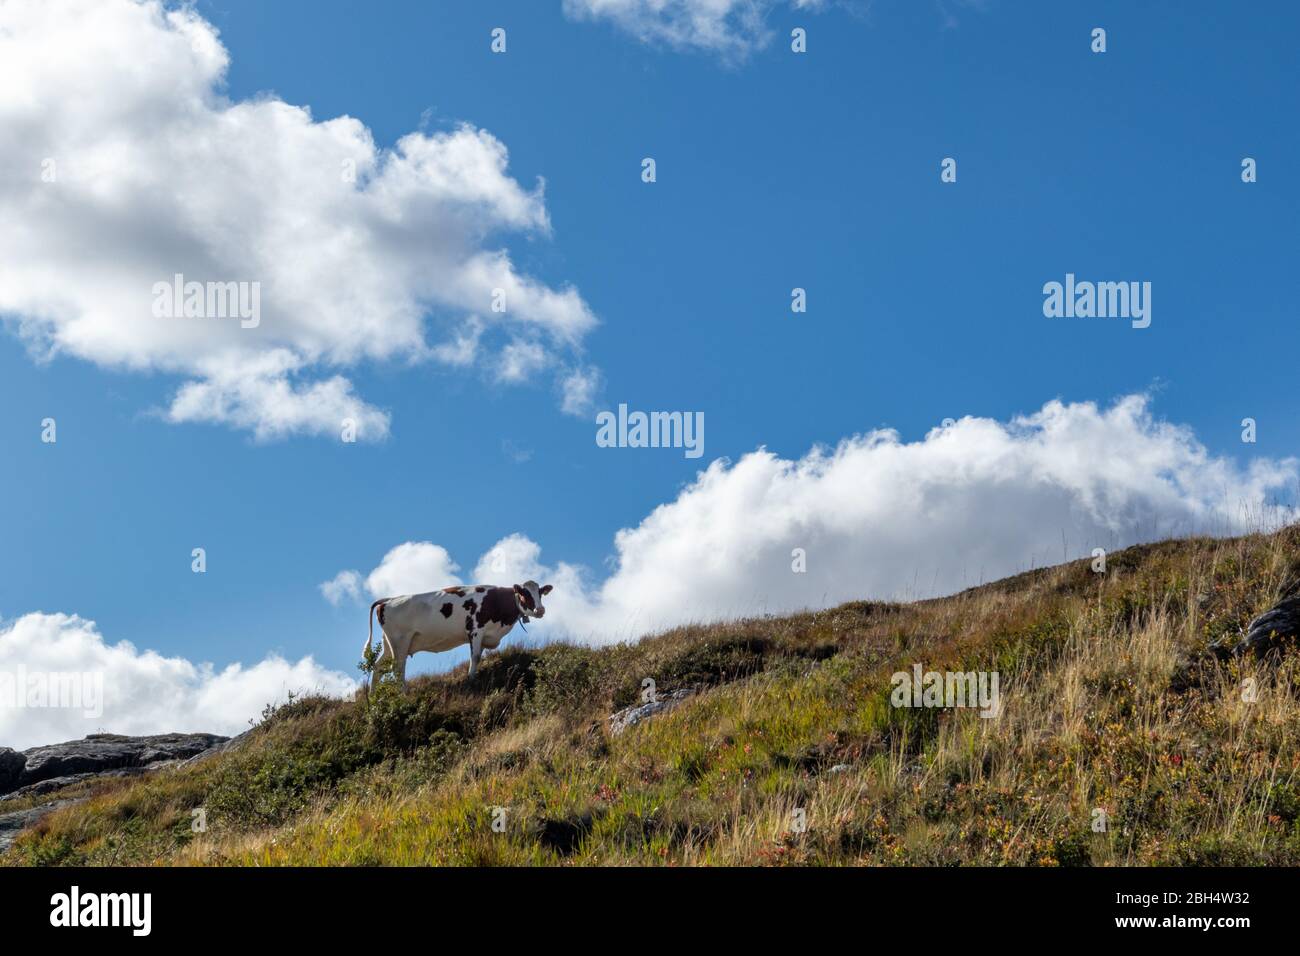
(396, 649)
(385, 654)
(475, 652)
(401, 653)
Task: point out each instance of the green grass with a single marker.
(790, 753)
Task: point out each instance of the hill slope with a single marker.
(789, 751)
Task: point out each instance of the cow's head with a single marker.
(528, 598)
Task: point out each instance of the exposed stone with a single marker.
(42, 787)
(12, 764)
(1275, 628)
(43, 770)
(99, 754)
(631, 716)
(225, 746)
(12, 824)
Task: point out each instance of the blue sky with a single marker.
(774, 170)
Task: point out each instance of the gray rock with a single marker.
(631, 716)
(43, 770)
(12, 824)
(103, 753)
(42, 787)
(1276, 627)
(11, 768)
(234, 743)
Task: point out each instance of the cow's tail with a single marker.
(370, 638)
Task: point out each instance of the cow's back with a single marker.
(437, 617)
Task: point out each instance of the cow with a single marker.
(475, 614)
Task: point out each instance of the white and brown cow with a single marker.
(473, 614)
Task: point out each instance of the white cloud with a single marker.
(578, 391)
(512, 560)
(143, 692)
(519, 360)
(462, 348)
(732, 28)
(412, 568)
(881, 518)
(346, 585)
(156, 172)
(272, 406)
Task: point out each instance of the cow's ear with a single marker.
(546, 589)
(518, 589)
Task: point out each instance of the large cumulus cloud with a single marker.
(879, 517)
(124, 163)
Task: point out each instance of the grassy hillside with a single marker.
(1108, 702)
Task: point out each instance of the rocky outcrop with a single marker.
(12, 764)
(46, 768)
(42, 770)
(631, 716)
(225, 746)
(12, 824)
(49, 785)
(1277, 627)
